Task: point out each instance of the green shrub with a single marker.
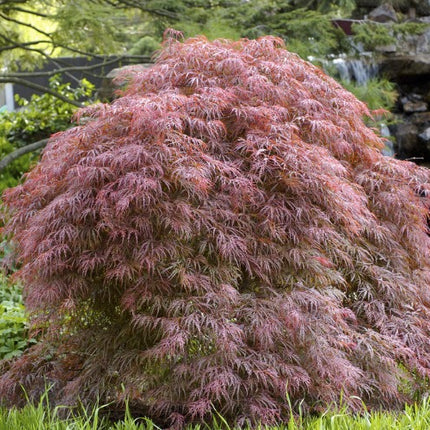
(377, 93)
(13, 320)
(37, 119)
(372, 34)
(43, 114)
(147, 45)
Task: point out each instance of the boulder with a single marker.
(410, 106)
(423, 42)
(421, 119)
(400, 67)
(110, 84)
(421, 7)
(425, 135)
(386, 49)
(383, 13)
(407, 140)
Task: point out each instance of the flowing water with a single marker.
(389, 147)
(359, 70)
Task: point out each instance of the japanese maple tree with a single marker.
(224, 234)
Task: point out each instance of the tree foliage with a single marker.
(372, 34)
(223, 235)
(36, 33)
(37, 119)
(43, 114)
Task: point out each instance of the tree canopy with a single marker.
(223, 235)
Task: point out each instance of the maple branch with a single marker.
(70, 68)
(31, 12)
(24, 45)
(4, 162)
(56, 62)
(78, 51)
(29, 84)
(16, 21)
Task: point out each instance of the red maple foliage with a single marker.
(223, 235)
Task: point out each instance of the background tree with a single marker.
(35, 33)
(225, 234)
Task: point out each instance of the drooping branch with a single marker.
(16, 21)
(27, 83)
(28, 11)
(24, 45)
(23, 78)
(90, 67)
(4, 162)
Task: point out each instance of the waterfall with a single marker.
(389, 147)
(358, 70)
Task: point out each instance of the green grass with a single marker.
(42, 417)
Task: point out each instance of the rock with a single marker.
(383, 13)
(425, 136)
(413, 102)
(410, 44)
(109, 85)
(413, 136)
(415, 97)
(421, 119)
(422, 7)
(407, 140)
(389, 145)
(403, 100)
(423, 42)
(386, 49)
(399, 67)
(410, 106)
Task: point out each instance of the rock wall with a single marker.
(407, 63)
(409, 67)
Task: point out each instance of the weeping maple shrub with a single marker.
(223, 235)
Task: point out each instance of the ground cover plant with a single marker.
(13, 321)
(223, 235)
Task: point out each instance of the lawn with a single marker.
(41, 417)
